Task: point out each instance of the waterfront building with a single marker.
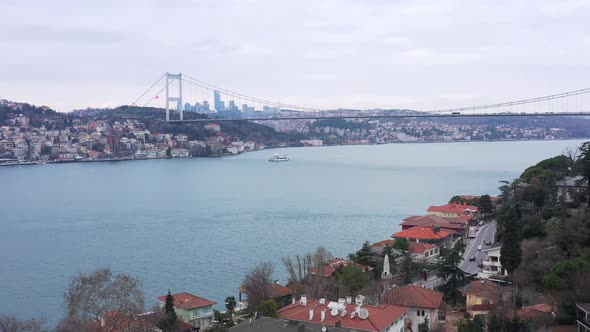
(491, 264)
(346, 315)
(453, 210)
(192, 309)
(421, 302)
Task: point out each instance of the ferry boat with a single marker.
(276, 157)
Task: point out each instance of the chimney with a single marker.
(349, 300)
(311, 313)
(293, 300)
(303, 300)
(323, 314)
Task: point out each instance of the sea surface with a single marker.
(198, 225)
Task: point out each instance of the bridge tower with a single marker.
(170, 78)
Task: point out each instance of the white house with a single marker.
(491, 264)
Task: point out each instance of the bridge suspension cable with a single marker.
(548, 102)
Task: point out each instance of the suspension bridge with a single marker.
(226, 105)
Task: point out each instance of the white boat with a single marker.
(276, 157)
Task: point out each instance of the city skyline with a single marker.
(329, 55)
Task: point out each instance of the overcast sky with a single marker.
(363, 54)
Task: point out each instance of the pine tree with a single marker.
(168, 323)
(365, 255)
(452, 274)
(485, 206)
(511, 252)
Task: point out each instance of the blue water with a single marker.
(198, 225)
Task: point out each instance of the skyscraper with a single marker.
(219, 107)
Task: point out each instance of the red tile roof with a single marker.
(188, 301)
(450, 223)
(383, 243)
(453, 208)
(413, 296)
(423, 233)
(380, 316)
(483, 288)
(420, 247)
(277, 291)
(537, 310)
(334, 264)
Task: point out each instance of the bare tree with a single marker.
(91, 296)
(9, 323)
(300, 278)
(256, 283)
(571, 154)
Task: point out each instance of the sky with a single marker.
(422, 55)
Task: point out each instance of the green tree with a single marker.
(495, 324)
(469, 325)
(456, 199)
(353, 278)
(425, 326)
(268, 308)
(584, 162)
(170, 320)
(364, 255)
(485, 206)
(511, 252)
(401, 244)
(407, 269)
(230, 304)
(452, 274)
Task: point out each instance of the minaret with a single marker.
(386, 269)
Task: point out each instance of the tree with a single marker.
(452, 274)
(402, 244)
(470, 325)
(456, 200)
(230, 304)
(407, 268)
(268, 308)
(425, 326)
(485, 206)
(584, 163)
(511, 252)
(90, 296)
(9, 323)
(256, 283)
(170, 319)
(353, 278)
(364, 255)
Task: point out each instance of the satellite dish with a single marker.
(324, 329)
(343, 313)
(352, 314)
(363, 313)
(334, 312)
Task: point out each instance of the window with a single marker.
(436, 250)
(420, 313)
(426, 254)
(494, 258)
(494, 268)
(485, 301)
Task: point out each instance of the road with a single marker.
(485, 233)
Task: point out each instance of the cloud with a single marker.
(335, 53)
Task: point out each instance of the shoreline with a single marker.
(37, 163)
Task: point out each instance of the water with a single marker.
(198, 225)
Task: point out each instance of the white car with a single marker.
(479, 247)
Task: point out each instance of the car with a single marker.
(488, 243)
(477, 229)
(479, 247)
(472, 258)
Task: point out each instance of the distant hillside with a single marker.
(154, 120)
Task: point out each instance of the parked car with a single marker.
(472, 258)
(479, 247)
